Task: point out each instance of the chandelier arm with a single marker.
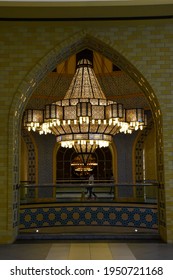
(62, 129)
(106, 128)
(114, 130)
(98, 126)
(71, 131)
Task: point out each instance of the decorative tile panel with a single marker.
(88, 215)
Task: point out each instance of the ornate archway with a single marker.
(57, 55)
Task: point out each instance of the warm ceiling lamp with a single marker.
(84, 119)
(79, 165)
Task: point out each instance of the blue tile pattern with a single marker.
(88, 215)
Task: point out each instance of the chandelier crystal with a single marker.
(84, 118)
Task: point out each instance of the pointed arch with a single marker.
(60, 53)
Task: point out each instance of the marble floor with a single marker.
(84, 250)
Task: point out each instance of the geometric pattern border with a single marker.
(88, 215)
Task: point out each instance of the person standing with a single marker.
(90, 187)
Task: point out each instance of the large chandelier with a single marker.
(84, 119)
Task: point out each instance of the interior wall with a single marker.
(45, 145)
(122, 163)
(142, 49)
(124, 144)
(150, 156)
(23, 162)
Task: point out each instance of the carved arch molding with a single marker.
(61, 53)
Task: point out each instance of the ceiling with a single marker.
(80, 9)
(123, 89)
(117, 86)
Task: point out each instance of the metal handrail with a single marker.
(99, 183)
(77, 190)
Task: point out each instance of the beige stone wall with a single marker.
(28, 50)
(150, 156)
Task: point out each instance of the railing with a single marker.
(80, 190)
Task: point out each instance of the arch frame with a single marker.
(60, 53)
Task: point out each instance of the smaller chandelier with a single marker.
(79, 165)
(84, 119)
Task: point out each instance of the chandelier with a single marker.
(80, 167)
(84, 119)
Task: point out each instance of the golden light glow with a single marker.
(84, 119)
